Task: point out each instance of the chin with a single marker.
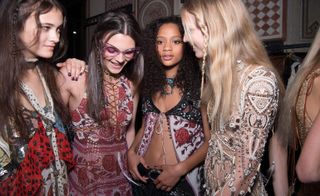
(46, 56)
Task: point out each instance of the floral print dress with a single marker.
(100, 149)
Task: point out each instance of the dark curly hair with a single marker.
(188, 75)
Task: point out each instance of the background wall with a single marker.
(295, 21)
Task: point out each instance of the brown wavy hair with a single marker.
(13, 15)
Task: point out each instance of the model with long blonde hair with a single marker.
(241, 89)
(300, 111)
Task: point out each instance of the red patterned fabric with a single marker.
(27, 180)
(97, 148)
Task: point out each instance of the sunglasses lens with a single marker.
(111, 51)
(130, 53)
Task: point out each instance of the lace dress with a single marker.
(100, 150)
(236, 148)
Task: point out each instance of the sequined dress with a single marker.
(100, 150)
(37, 165)
(236, 147)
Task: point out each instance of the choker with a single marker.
(31, 63)
(168, 87)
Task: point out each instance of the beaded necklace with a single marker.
(168, 87)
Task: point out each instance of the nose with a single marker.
(167, 46)
(120, 58)
(55, 36)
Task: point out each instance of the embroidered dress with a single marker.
(100, 150)
(304, 123)
(185, 125)
(37, 166)
(237, 146)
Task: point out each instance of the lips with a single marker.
(116, 66)
(167, 57)
(50, 47)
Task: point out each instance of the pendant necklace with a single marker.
(168, 87)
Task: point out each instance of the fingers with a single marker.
(163, 186)
(75, 67)
(136, 175)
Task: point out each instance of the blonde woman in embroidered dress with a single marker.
(301, 128)
(34, 150)
(241, 90)
(103, 105)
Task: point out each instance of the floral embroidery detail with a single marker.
(185, 124)
(182, 136)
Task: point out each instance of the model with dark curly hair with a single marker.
(172, 143)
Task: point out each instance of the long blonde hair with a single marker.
(230, 37)
(310, 63)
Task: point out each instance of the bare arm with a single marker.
(259, 105)
(68, 80)
(278, 157)
(308, 166)
(131, 132)
(133, 158)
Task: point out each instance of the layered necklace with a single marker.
(168, 87)
(49, 119)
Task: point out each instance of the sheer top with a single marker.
(236, 148)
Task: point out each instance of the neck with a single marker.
(110, 78)
(171, 71)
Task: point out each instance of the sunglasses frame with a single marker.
(116, 51)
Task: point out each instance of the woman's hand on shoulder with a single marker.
(73, 68)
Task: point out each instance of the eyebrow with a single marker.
(50, 24)
(106, 43)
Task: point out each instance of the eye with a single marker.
(59, 30)
(45, 28)
(177, 42)
(159, 42)
(111, 49)
(131, 52)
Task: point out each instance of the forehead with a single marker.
(188, 19)
(169, 29)
(54, 17)
(121, 41)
